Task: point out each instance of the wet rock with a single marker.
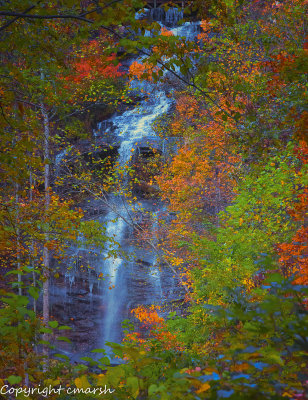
(84, 301)
(84, 325)
(147, 188)
(80, 337)
(143, 263)
(78, 292)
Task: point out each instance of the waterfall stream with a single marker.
(126, 283)
(131, 128)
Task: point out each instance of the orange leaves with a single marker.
(90, 68)
(151, 320)
(205, 25)
(293, 256)
(142, 70)
(161, 46)
(186, 107)
(165, 32)
(198, 181)
(149, 316)
(198, 170)
(87, 67)
(134, 337)
(145, 70)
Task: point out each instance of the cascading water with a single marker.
(132, 128)
(112, 297)
(169, 17)
(139, 280)
(135, 125)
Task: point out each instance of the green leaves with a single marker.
(34, 292)
(64, 327)
(45, 330)
(82, 382)
(14, 379)
(152, 389)
(62, 356)
(133, 386)
(115, 374)
(53, 324)
(89, 360)
(63, 339)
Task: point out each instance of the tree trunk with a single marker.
(18, 241)
(32, 245)
(46, 255)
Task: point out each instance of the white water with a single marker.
(113, 289)
(93, 302)
(130, 128)
(125, 284)
(189, 30)
(135, 125)
(58, 160)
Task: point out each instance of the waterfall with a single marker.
(173, 16)
(125, 284)
(58, 160)
(135, 125)
(189, 30)
(113, 292)
(154, 272)
(170, 17)
(130, 129)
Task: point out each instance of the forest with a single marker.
(153, 199)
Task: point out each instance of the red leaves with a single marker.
(293, 256)
(90, 62)
(90, 68)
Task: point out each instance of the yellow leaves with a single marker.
(177, 261)
(286, 394)
(133, 385)
(82, 382)
(101, 380)
(203, 388)
(241, 367)
(248, 283)
(52, 382)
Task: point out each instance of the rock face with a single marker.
(83, 297)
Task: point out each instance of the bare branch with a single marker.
(4, 26)
(32, 16)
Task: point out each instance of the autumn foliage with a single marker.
(233, 184)
(89, 62)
